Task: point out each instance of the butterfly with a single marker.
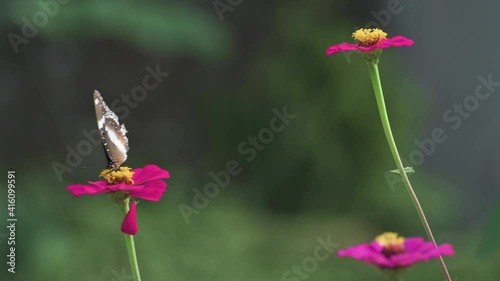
(113, 135)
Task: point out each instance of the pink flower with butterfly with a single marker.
(121, 183)
(145, 183)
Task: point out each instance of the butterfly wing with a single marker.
(100, 111)
(113, 135)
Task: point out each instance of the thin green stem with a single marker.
(129, 241)
(379, 95)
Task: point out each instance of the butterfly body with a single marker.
(113, 134)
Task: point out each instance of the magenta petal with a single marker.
(101, 184)
(344, 47)
(426, 247)
(397, 41)
(124, 187)
(414, 243)
(371, 48)
(81, 189)
(366, 253)
(446, 250)
(149, 172)
(418, 244)
(152, 191)
(442, 250)
(147, 184)
(405, 259)
(376, 247)
(98, 187)
(416, 250)
(129, 224)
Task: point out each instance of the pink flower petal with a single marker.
(149, 172)
(446, 250)
(81, 189)
(414, 243)
(441, 250)
(344, 47)
(366, 253)
(376, 247)
(129, 224)
(98, 187)
(123, 187)
(152, 191)
(425, 247)
(101, 184)
(371, 48)
(147, 184)
(396, 41)
(405, 259)
(416, 250)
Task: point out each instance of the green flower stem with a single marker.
(379, 95)
(129, 241)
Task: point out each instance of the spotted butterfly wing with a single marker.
(113, 135)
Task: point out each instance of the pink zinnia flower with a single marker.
(369, 40)
(391, 251)
(145, 183)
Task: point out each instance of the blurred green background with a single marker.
(231, 63)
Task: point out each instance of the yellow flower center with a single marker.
(122, 175)
(391, 242)
(369, 36)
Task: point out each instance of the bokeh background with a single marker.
(322, 176)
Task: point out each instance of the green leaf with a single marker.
(408, 170)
